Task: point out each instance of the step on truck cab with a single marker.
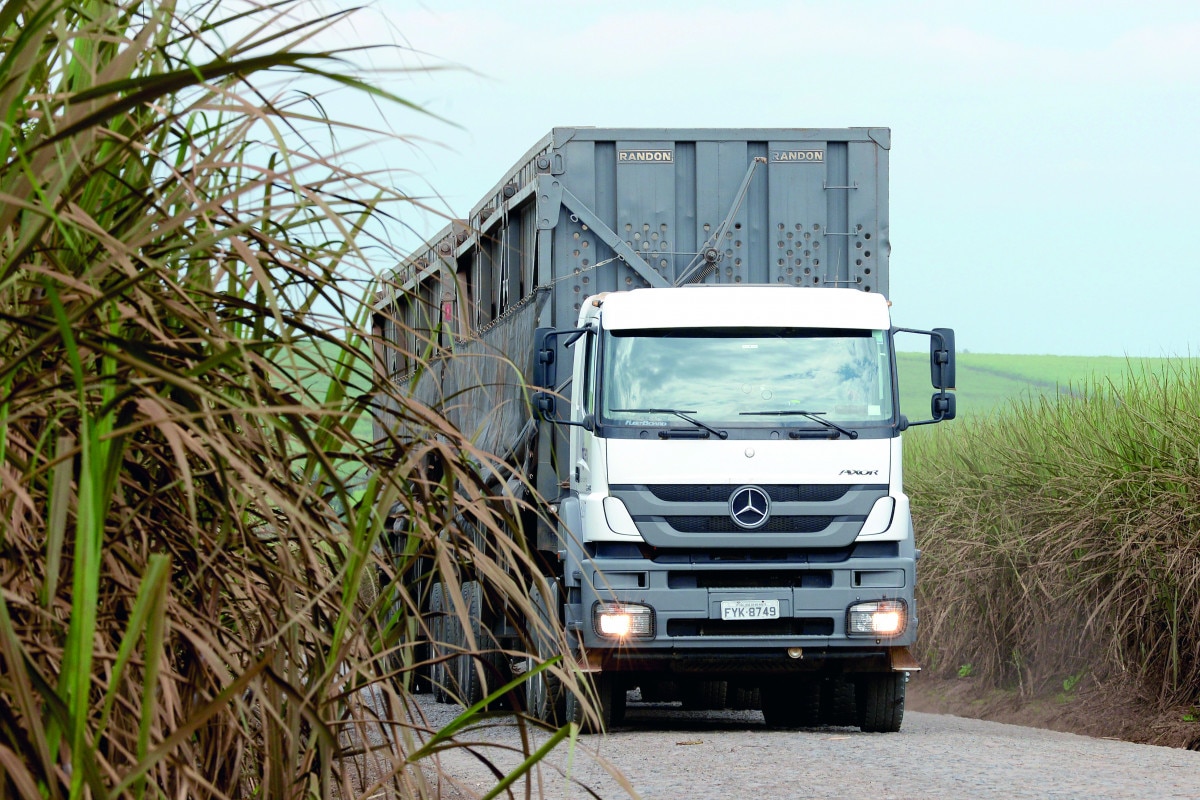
(711, 411)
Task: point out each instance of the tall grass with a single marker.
(195, 598)
(1061, 537)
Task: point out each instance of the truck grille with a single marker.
(750, 579)
(693, 516)
(799, 626)
(688, 493)
(723, 524)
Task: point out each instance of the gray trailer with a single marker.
(683, 338)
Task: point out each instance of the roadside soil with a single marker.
(1105, 710)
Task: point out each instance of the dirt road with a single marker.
(664, 752)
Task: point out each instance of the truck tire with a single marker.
(792, 703)
(437, 648)
(839, 706)
(412, 665)
(468, 666)
(455, 643)
(659, 691)
(705, 695)
(609, 693)
(745, 698)
(420, 669)
(422, 652)
(881, 702)
(543, 691)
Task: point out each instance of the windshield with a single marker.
(746, 377)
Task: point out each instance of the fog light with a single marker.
(881, 618)
(623, 620)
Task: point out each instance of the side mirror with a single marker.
(942, 405)
(545, 372)
(546, 405)
(941, 358)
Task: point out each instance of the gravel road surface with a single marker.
(665, 752)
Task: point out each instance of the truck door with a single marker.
(583, 404)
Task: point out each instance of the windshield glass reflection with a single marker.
(722, 376)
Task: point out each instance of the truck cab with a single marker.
(735, 528)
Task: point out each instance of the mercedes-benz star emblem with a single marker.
(749, 507)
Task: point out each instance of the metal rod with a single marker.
(715, 239)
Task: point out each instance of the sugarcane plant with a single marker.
(212, 579)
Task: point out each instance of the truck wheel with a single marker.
(468, 666)
(838, 704)
(657, 691)
(415, 674)
(881, 702)
(745, 698)
(455, 644)
(422, 652)
(705, 695)
(609, 692)
(420, 669)
(792, 703)
(543, 691)
(437, 648)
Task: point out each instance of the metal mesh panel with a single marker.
(480, 385)
(685, 493)
(695, 524)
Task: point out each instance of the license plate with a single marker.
(749, 609)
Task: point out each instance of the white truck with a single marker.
(714, 419)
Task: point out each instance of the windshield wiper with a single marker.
(815, 416)
(683, 415)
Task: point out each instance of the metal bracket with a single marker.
(549, 202)
(607, 235)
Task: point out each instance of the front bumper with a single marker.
(686, 592)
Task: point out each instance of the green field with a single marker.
(987, 382)
(1061, 539)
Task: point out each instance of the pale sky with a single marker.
(1045, 161)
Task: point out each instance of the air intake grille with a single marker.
(815, 626)
(688, 493)
(724, 525)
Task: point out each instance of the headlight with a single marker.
(878, 619)
(623, 620)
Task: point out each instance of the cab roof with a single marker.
(739, 306)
